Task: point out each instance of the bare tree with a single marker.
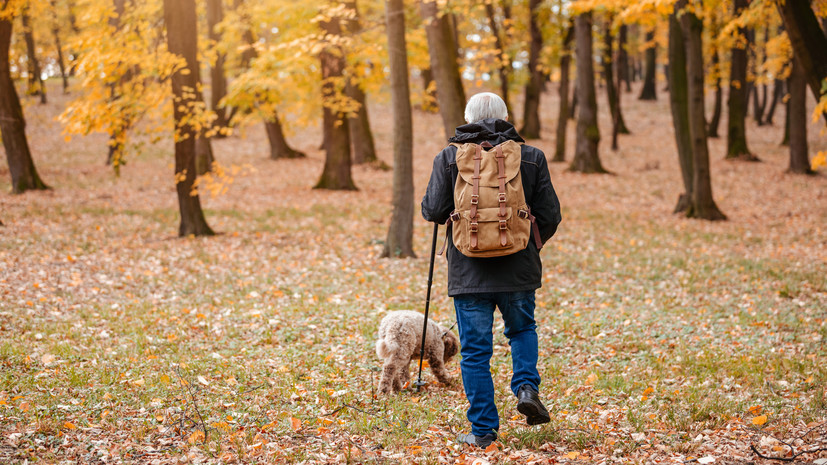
(586, 159)
(534, 86)
(443, 53)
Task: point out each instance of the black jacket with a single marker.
(521, 271)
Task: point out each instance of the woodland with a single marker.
(207, 206)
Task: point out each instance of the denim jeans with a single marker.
(475, 319)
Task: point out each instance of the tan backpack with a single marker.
(491, 217)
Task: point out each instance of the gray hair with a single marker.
(483, 106)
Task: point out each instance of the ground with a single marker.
(662, 339)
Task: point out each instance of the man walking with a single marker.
(481, 284)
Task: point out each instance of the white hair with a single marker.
(483, 106)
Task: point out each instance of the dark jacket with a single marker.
(521, 271)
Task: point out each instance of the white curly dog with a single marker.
(400, 339)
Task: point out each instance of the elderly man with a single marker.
(479, 285)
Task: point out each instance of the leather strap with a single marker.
(453, 218)
(535, 230)
(501, 197)
(475, 197)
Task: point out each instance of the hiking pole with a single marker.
(419, 382)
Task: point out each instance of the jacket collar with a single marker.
(493, 130)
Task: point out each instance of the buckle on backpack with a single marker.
(474, 226)
(454, 216)
(503, 225)
(501, 197)
(522, 214)
(475, 199)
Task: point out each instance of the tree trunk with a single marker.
(809, 42)
(218, 81)
(623, 59)
(399, 242)
(504, 65)
(737, 102)
(703, 205)
(182, 40)
(278, 143)
(786, 139)
(61, 63)
(777, 93)
(573, 106)
(361, 136)
(679, 103)
(429, 101)
(36, 86)
(12, 124)
(715, 122)
(586, 159)
(799, 158)
(444, 64)
(613, 95)
(649, 92)
(337, 163)
(563, 114)
(533, 88)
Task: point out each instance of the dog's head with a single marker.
(451, 345)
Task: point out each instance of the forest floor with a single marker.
(662, 339)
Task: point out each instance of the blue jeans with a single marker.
(475, 319)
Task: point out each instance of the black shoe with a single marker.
(479, 441)
(528, 403)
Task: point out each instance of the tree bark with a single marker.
(649, 92)
(612, 93)
(278, 143)
(573, 106)
(563, 114)
(703, 205)
(61, 63)
(337, 165)
(623, 58)
(737, 102)
(504, 67)
(679, 104)
(777, 93)
(12, 123)
(444, 65)
(182, 39)
(533, 88)
(809, 42)
(799, 157)
(586, 159)
(715, 122)
(36, 86)
(361, 136)
(218, 80)
(399, 242)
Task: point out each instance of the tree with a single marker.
(443, 56)
(799, 159)
(533, 88)
(218, 81)
(648, 92)
(737, 102)
(702, 205)
(182, 40)
(337, 172)
(504, 63)
(562, 115)
(361, 137)
(586, 159)
(808, 41)
(715, 122)
(679, 104)
(612, 86)
(623, 58)
(36, 86)
(399, 242)
(59, 47)
(12, 123)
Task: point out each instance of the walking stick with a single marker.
(419, 382)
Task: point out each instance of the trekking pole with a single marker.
(419, 382)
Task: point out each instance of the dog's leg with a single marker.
(388, 381)
(438, 367)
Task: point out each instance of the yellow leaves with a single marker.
(196, 436)
(591, 379)
(759, 420)
(69, 425)
(646, 393)
(572, 455)
(756, 409)
(295, 424)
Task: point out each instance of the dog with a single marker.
(400, 339)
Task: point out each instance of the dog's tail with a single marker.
(385, 348)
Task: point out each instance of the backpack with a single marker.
(490, 217)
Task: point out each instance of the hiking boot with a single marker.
(479, 441)
(528, 403)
